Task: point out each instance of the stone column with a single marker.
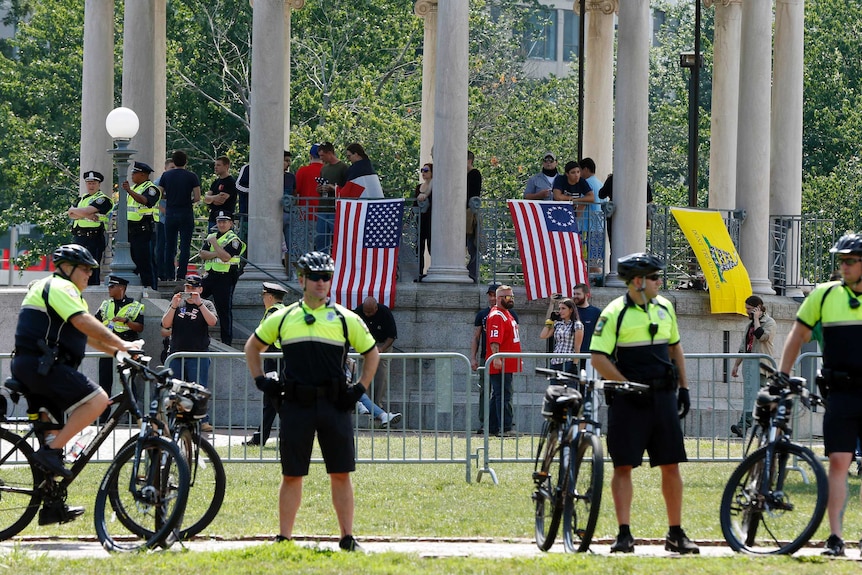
(599, 84)
(725, 103)
(289, 6)
(752, 183)
(427, 10)
(160, 87)
(630, 132)
(267, 137)
(97, 89)
(450, 150)
(785, 181)
(139, 89)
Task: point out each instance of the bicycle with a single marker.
(147, 482)
(775, 499)
(569, 465)
(180, 411)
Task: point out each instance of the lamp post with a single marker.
(694, 62)
(122, 124)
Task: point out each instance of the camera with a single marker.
(186, 295)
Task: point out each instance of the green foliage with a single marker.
(356, 76)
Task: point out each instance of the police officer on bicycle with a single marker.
(315, 334)
(636, 339)
(837, 307)
(54, 328)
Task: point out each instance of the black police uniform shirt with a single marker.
(637, 354)
(830, 303)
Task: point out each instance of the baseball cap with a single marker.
(313, 152)
(549, 155)
(193, 280)
(492, 288)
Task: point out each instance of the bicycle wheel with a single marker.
(547, 496)
(208, 482)
(584, 496)
(19, 496)
(147, 497)
(780, 517)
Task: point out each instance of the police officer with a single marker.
(143, 206)
(837, 307)
(312, 333)
(637, 339)
(221, 255)
(54, 328)
(273, 296)
(90, 220)
(123, 316)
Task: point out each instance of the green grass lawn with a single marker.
(434, 500)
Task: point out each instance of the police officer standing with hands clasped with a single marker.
(637, 339)
(837, 306)
(312, 334)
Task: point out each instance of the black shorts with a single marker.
(334, 430)
(639, 423)
(64, 387)
(842, 422)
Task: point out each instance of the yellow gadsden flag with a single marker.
(726, 276)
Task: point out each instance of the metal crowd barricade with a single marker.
(432, 391)
(718, 401)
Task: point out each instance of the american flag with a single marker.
(365, 250)
(550, 247)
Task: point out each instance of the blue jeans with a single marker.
(196, 369)
(325, 230)
(178, 223)
(500, 402)
(376, 411)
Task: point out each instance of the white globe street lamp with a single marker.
(122, 124)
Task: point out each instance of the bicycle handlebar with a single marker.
(596, 384)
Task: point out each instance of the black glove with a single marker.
(780, 381)
(683, 401)
(267, 385)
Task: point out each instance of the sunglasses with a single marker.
(318, 276)
(849, 261)
(507, 297)
(653, 277)
(424, 170)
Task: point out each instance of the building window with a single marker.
(571, 35)
(540, 38)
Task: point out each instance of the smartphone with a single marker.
(185, 295)
(557, 296)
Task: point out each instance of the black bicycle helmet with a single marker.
(639, 264)
(848, 244)
(315, 262)
(75, 254)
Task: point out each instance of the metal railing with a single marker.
(437, 394)
(799, 251)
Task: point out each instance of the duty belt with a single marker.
(659, 384)
(88, 232)
(842, 380)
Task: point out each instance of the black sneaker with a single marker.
(58, 512)
(736, 430)
(348, 543)
(51, 460)
(623, 544)
(253, 441)
(680, 544)
(280, 539)
(834, 547)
